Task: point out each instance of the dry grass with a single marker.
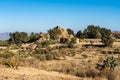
(110, 74)
(77, 64)
(27, 73)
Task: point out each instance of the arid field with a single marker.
(65, 58)
(77, 64)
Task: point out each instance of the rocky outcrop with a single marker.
(64, 34)
(43, 37)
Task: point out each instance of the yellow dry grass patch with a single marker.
(27, 73)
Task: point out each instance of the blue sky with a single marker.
(41, 15)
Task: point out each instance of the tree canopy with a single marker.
(96, 32)
(22, 37)
(91, 32)
(54, 33)
(70, 31)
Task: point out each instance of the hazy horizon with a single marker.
(41, 15)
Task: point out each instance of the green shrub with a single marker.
(56, 55)
(40, 54)
(111, 63)
(54, 33)
(46, 43)
(6, 54)
(10, 63)
(108, 63)
(41, 57)
(49, 56)
(22, 54)
(40, 51)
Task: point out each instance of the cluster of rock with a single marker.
(46, 37)
(64, 34)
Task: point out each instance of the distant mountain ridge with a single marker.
(4, 36)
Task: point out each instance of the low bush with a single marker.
(22, 54)
(41, 51)
(41, 57)
(49, 56)
(46, 43)
(12, 63)
(108, 63)
(6, 54)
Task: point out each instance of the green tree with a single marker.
(18, 38)
(92, 31)
(106, 37)
(11, 40)
(70, 31)
(33, 37)
(23, 37)
(80, 35)
(54, 33)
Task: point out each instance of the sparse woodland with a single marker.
(91, 54)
